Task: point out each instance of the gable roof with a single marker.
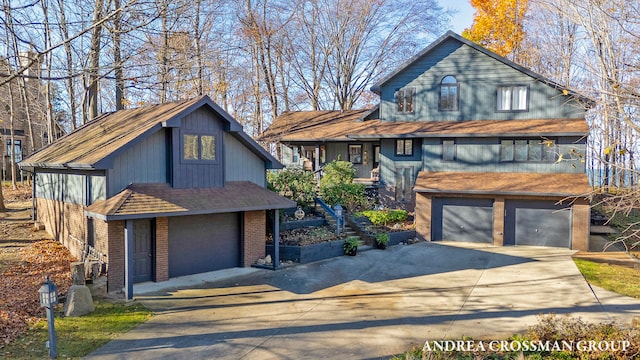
(159, 199)
(504, 183)
(95, 144)
(452, 35)
(315, 125)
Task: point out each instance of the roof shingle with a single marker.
(343, 126)
(149, 200)
(503, 183)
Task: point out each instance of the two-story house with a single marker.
(481, 148)
(157, 192)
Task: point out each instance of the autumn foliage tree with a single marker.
(498, 25)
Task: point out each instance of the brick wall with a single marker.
(162, 249)
(101, 238)
(387, 197)
(581, 222)
(498, 221)
(254, 236)
(115, 271)
(65, 222)
(423, 216)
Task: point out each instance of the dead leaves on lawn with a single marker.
(19, 284)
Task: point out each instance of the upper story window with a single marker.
(355, 154)
(448, 150)
(404, 147)
(448, 94)
(16, 150)
(528, 150)
(405, 100)
(199, 147)
(513, 98)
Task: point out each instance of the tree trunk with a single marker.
(94, 61)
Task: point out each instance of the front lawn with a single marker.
(78, 336)
(616, 278)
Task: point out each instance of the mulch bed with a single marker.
(308, 236)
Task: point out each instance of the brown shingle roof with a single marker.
(148, 200)
(502, 183)
(105, 134)
(92, 145)
(342, 126)
(314, 125)
(548, 127)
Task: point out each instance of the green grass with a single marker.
(616, 278)
(78, 336)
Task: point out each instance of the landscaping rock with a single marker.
(79, 301)
(268, 260)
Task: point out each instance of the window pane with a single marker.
(448, 150)
(535, 150)
(191, 147)
(444, 98)
(520, 150)
(409, 94)
(506, 150)
(408, 147)
(399, 147)
(400, 100)
(449, 79)
(550, 150)
(355, 154)
(504, 98)
(519, 98)
(208, 146)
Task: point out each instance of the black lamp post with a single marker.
(48, 298)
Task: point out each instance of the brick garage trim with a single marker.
(254, 236)
(115, 270)
(162, 249)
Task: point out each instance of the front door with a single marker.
(143, 251)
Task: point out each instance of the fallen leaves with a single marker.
(19, 284)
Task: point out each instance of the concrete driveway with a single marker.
(374, 305)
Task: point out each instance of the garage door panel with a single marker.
(203, 243)
(468, 220)
(538, 223)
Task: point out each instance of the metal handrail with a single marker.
(329, 210)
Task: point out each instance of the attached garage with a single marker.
(539, 223)
(463, 219)
(502, 208)
(202, 243)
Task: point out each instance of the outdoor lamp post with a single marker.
(48, 298)
(338, 210)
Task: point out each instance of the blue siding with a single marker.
(340, 150)
(98, 188)
(241, 163)
(390, 164)
(61, 187)
(144, 163)
(483, 155)
(190, 174)
(477, 75)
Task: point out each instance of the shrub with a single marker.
(296, 184)
(337, 172)
(350, 196)
(351, 245)
(384, 217)
(382, 239)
